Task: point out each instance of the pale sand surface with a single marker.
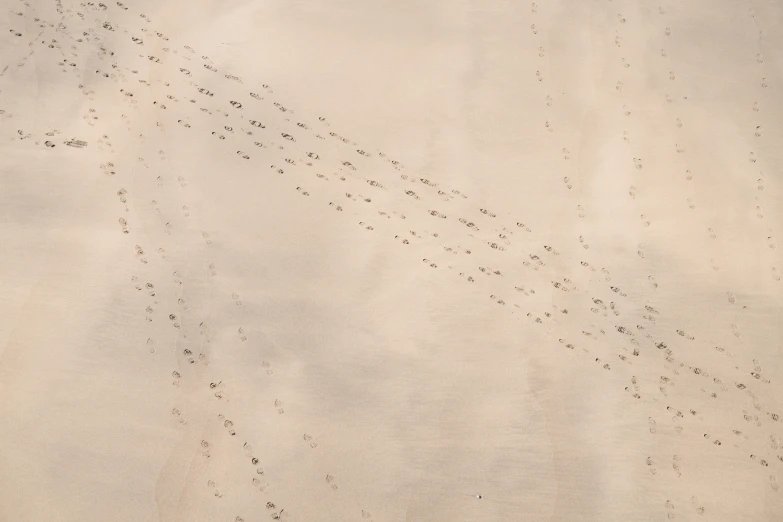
(563, 295)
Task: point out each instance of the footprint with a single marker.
(697, 505)
(669, 510)
(215, 491)
(735, 330)
(309, 440)
(676, 465)
(177, 415)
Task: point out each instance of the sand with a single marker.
(390, 261)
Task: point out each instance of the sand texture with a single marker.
(391, 261)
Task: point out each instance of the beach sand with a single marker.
(391, 261)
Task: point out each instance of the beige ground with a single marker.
(549, 278)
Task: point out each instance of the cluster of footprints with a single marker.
(358, 186)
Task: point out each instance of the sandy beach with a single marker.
(391, 261)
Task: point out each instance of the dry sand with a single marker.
(391, 261)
